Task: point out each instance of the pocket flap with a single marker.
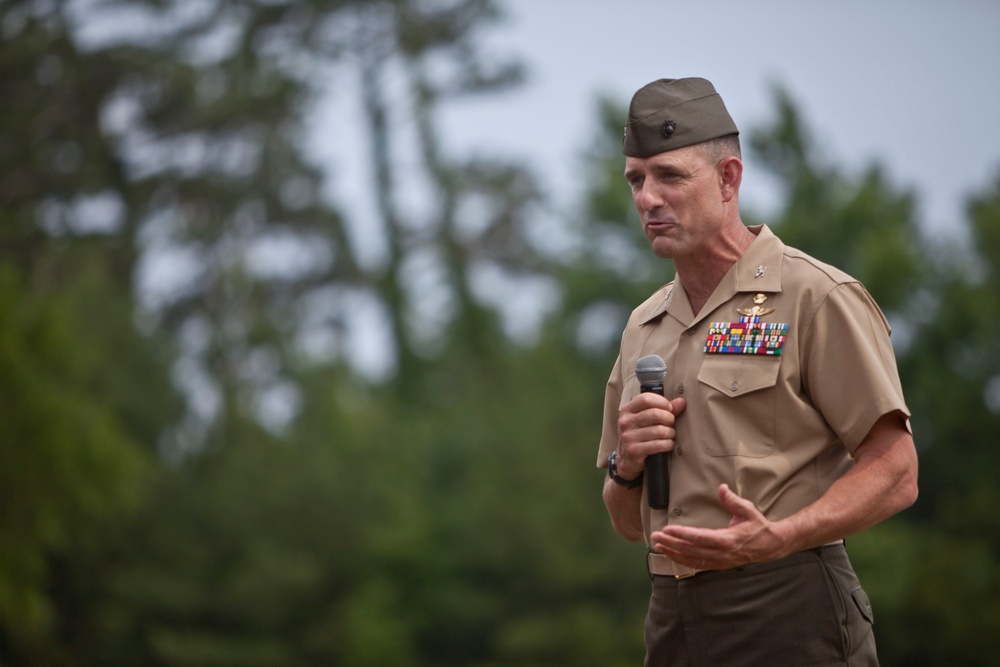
(864, 604)
(736, 375)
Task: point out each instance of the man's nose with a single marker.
(649, 197)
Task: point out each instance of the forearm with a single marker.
(623, 506)
(882, 482)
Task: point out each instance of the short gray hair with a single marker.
(718, 149)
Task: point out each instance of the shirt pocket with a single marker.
(740, 399)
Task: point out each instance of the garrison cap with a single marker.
(673, 113)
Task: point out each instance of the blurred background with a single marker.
(307, 307)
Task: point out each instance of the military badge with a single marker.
(749, 335)
(757, 310)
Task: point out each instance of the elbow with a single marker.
(903, 461)
(909, 490)
(905, 490)
(628, 531)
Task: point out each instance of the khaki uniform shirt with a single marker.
(779, 429)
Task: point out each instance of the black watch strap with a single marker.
(613, 473)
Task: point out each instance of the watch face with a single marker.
(613, 473)
(611, 465)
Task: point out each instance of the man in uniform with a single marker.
(782, 414)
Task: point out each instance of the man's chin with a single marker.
(664, 248)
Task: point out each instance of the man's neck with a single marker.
(701, 274)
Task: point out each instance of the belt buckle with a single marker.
(680, 571)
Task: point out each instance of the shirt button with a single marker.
(677, 511)
(734, 386)
(678, 450)
(680, 389)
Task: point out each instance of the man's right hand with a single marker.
(645, 427)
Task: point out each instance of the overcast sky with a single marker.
(914, 84)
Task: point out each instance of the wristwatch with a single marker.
(613, 473)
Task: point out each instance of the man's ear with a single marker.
(730, 176)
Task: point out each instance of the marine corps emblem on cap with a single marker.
(673, 113)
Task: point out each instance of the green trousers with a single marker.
(806, 609)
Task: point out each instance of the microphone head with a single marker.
(650, 370)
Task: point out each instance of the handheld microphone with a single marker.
(650, 371)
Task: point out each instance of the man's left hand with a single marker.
(749, 538)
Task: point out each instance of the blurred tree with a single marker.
(85, 397)
(302, 513)
(174, 133)
(953, 372)
(194, 119)
(77, 435)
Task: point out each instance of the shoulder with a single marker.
(802, 266)
(818, 287)
(826, 292)
(653, 306)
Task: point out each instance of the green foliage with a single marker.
(451, 515)
(447, 534)
(75, 428)
(234, 560)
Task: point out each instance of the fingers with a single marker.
(648, 400)
(649, 409)
(692, 547)
(677, 405)
(651, 428)
(645, 427)
(737, 506)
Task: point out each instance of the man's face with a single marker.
(679, 199)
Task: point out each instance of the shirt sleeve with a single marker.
(849, 368)
(612, 403)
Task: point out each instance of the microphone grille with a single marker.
(650, 369)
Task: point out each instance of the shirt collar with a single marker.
(758, 270)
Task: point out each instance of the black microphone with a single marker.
(650, 371)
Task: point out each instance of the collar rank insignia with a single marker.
(757, 311)
(749, 335)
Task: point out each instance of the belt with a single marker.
(660, 565)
